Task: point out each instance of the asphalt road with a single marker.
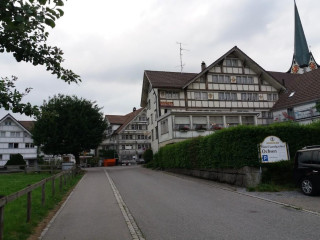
(169, 207)
(130, 202)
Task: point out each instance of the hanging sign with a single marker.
(272, 149)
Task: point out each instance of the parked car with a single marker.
(307, 169)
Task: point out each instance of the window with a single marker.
(247, 120)
(244, 80)
(201, 96)
(29, 145)
(232, 120)
(172, 95)
(7, 123)
(203, 79)
(221, 79)
(2, 134)
(151, 116)
(266, 115)
(249, 96)
(164, 126)
(123, 147)
(231, 62)
(272, 97)
(13, 145)
(15, 134)
(227, 96)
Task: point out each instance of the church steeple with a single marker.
(303, 60)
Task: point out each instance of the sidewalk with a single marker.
(91, 212)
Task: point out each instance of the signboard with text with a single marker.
(272, 149)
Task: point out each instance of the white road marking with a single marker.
(132, 226)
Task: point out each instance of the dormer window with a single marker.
(292, 93)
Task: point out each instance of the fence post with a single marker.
(29, 199)
(43, 195)
(60, 183)
(64, 178)
(1, 220)
(53, 187)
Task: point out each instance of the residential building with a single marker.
(128, 135)
(231, 91)
(15, 137)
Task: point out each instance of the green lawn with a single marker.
(15, 225)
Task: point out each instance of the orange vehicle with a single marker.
(109, 162)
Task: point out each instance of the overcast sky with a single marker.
(110, 43)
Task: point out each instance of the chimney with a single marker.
(203, 66)
(134, 109)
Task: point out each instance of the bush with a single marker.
(236, 147)
(148, 155)
(16, 159)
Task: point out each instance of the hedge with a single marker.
(234, 147)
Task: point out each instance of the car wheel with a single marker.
(307, 187)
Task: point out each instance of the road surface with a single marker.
(131, 202)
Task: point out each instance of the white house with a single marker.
(15, 137)
(128, 135)
(231, 91)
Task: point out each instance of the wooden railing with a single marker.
(63, 176)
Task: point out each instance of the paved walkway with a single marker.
(91, 212)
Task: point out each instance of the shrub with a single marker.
(148, 155)
(16, 159)
(236, 147)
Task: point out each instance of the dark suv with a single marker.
(307, 169)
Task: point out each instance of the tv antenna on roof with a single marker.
(181, 49)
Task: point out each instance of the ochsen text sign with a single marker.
(272, 149)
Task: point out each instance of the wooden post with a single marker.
(64, 178)
(29, 206)
(1, 221)
(53, 187)
(61, 183)
(43, 195)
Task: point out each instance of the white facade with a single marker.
(130, 139)
(14, 139)
(232, 91)
(302, 113)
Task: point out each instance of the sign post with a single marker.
(272, 149)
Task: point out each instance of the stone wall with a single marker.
(243, 177)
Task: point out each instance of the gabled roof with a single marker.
(248, 62)
(305, 86)
(129, 117)
(159, 79)
(115, 119)
(26, 125)
(123, 120)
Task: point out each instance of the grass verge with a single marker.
(15, 213)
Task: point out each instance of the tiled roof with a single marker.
(129, 117)
(160, 79)
(306, 88)
(27, 124)
(116, 119)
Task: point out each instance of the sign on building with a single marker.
(272, 149)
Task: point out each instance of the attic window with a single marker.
(291, 94)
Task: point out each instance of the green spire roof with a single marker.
(301, 50)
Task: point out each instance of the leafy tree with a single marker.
(107, 154)
(23, 32)
(68, 124)
(10, 98)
